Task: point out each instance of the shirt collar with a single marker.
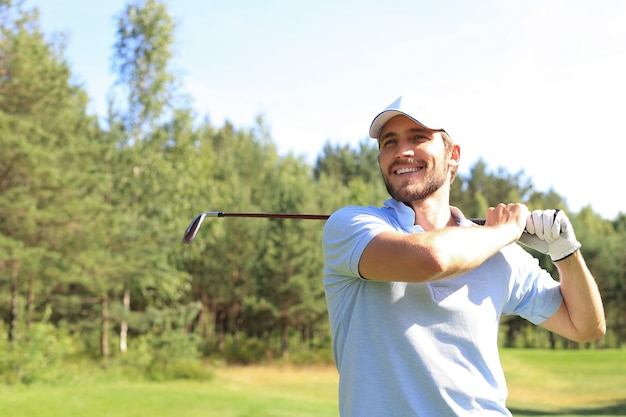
(406, 216)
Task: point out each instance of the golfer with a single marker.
(416, 291)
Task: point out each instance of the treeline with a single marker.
(92, 213)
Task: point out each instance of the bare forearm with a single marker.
(581, 297)
(436, 255)
(460, 250)
(441, 252)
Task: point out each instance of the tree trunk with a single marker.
(30, 304)
(206, 321)
(284, 345)
(236, 320)
(124, 325)
(220, 319)
(104, 341)
(15, 305)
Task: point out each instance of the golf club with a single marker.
(195, 224)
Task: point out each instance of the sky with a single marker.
(537, 86)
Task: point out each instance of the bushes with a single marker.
(254, 350)
(34, 354)
(43, 353)
(170, 355)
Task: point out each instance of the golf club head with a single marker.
(194, 226)
(192, 229)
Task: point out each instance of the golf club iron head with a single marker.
(194, 226)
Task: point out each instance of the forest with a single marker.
(93, 211)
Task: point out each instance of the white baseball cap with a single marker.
(406, 106)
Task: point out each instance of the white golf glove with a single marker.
(550, 232)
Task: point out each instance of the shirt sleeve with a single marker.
(346, 234)
(534, 294)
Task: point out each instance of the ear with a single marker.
(455, 156)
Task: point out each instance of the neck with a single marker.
(433, 212)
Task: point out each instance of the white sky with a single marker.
(538, 85)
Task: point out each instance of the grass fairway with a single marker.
(566, 382)
(541, 383)
(254, 391)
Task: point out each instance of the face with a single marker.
(414, 160)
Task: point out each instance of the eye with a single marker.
(388, 142)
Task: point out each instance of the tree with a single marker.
(356, 170)
(143, 53)
(236, 165)
(290, 255)
(46, 138)
(146, 128)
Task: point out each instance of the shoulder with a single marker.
(348, 231)
(358, 217)
(356, 211)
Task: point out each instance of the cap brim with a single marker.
(379, 121)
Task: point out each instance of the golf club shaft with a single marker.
(270, 215)
(480, 222)
(193, 228)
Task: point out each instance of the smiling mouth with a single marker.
(401, 171)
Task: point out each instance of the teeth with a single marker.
(407, 170)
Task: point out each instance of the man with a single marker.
(416, 291)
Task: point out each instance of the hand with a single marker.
(550, 232)
(511, 214)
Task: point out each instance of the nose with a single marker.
(405, 150)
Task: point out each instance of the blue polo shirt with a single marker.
(423, 349)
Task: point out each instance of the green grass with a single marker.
(234, 392)
(541, 383)
(566, 382)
